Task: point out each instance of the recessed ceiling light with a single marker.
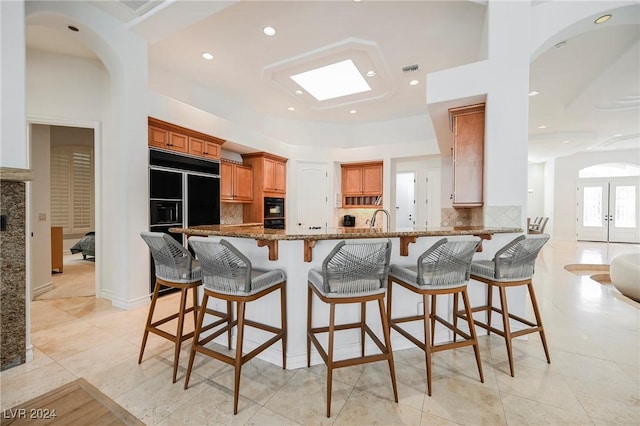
(617, 135)
(353, 111)
(291, 109)
(269, 31)
(542, 127)
(72, 28)
(602, 19)
(533, 93)
(332, 81)
(565, 141)
(561, 44)
(371, 73)
(413, 82)
(299, 92)
(208, 56)
(589, 149)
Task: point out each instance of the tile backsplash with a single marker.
(503, 216)
(230, 213)
(461, 217)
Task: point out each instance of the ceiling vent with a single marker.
(410, 68)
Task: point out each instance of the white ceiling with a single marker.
(590, 94)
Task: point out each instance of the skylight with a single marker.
(332, 81)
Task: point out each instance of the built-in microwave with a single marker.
(165, 212)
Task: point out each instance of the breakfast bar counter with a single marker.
(270, 237)
(296, 251)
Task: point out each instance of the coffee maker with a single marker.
(349, 221)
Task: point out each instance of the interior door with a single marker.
(312, 194)
(405, 201)
(608, 210)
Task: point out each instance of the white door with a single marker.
(312, 196)
(608, 210)
(405, 201)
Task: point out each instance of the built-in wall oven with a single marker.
(274, 217)
(183, 191)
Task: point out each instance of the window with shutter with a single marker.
(72, 183)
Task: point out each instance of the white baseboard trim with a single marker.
(42, 289)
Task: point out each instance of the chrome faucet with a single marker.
(372, 222)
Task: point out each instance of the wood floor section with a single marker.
(77, 403)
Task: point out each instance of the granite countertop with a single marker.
(260, 233)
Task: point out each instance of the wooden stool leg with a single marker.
(455, 315)
(427, 341)
(309, 316)
(154, 299)
(195, 306)
(238, 361)
(196, 337)
(332, 317)
(389, 304)
(178, 341)
(432, 316)
(506, 327)
(472, 330)
(536, 312)
(283, 319)
(387, 342)
(363, 316)
(229, 320)
(490, 307)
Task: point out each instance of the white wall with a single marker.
(40, 204)
(13, 133)
(535, 190)
(565, 183)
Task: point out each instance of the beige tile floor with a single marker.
(594, 376)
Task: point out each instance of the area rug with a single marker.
(598, 273)
(77, 402)
(77, 280)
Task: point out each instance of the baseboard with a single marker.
(42, 289)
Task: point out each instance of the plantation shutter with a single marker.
(72, 184)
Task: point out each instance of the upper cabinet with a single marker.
(236, 182)
(271, 173)
(171, 137)
(204, 148)
(467, 124)
(362, 184)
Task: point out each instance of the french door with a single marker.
(608, 210)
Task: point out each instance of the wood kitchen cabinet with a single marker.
(174, 138)
(269, 180)
(467, 124)
(362, 184)
(204, 148)
(236, 182)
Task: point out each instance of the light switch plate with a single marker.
(42, 217)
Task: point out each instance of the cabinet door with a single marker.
(178, 142)
(468, 153)
(226, 181)
(352, 180)
(212, 150)
(158, 138)
(243, 183)
(372, 180)
(280, 177)
(269, 173)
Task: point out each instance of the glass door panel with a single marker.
(608, 210)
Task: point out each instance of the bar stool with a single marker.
(174, 268)
(443, 269)
(228, 275)
(354, 272)
(512, 266)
